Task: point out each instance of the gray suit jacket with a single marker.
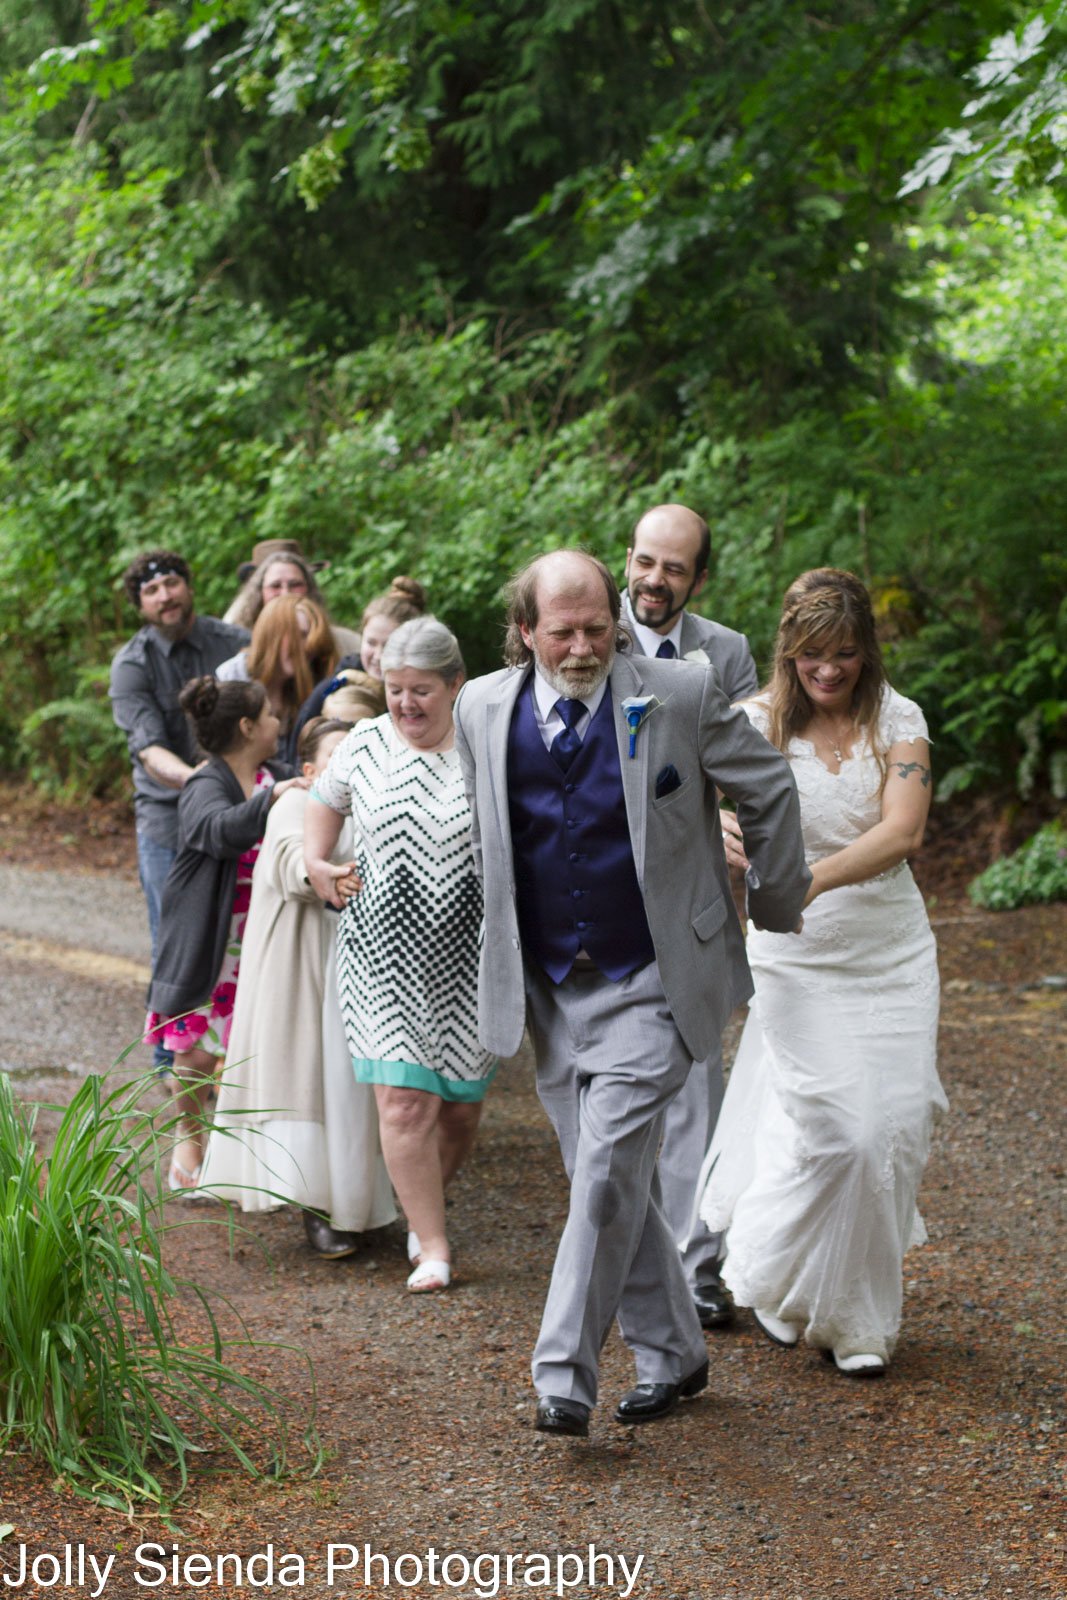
(676, 839)
(726, 649)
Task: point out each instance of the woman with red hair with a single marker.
(292, 648)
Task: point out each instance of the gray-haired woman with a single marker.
(408, 940)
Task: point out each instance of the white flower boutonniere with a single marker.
(698, 655)
(635, 708)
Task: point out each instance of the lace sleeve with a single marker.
(902, 720)
(757, 713)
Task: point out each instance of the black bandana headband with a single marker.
(159, 569)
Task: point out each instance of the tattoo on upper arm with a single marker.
(904, 767)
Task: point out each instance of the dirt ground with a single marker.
(784, 1480)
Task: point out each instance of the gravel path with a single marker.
(784, 1480)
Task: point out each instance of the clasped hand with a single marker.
(733, 843)
(337, 885)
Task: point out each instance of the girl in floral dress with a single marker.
(222, 814)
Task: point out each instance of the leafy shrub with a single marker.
(1035, 875)
(96, 1376)
(138, 407)
(453, 460)
(142, 403)
(73, 745)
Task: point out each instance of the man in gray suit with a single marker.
(610, 932)
(666, 565)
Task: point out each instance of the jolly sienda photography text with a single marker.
(74, 1567)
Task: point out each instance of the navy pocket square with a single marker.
(667, 780)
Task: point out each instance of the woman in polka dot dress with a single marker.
(408, 940)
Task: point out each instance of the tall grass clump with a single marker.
(96, 1377)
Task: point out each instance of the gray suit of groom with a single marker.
(690, 1120)
(612, 1053)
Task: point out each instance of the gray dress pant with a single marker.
(609, 1061)
(687, 1129)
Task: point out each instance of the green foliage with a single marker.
(979, 428)
(434, 288)
(1012, 133)
(744, 240)
(138, 406)
(98, 1373)
(72, 744)
(709, 196)
(1035, 875)
(452, 458)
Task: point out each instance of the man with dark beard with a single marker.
(610, 932)
(666, 565)
(147, 675)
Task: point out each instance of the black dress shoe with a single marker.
(556, 1415)
(647, 1401)
(327, 1241)
(713, 1304)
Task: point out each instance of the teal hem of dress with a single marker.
(409, 1075)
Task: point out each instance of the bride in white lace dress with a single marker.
(825, 1128)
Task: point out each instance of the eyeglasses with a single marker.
(276, 586)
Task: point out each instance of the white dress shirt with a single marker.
(647, 638)
(549, 720)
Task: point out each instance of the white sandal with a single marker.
(181, 1181)
(429, 1276)
(414, 1248)
(778, 1331)
(863, 1364)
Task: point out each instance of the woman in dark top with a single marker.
(222, 813)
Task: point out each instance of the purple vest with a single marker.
(575, 882)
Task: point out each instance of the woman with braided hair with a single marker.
(825, 1128)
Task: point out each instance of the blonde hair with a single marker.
(313, 657)
(825, 609)
(354, 695)
(351, 705)
(403, 600)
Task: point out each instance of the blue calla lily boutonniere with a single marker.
(635, 708)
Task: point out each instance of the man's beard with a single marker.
(637, 592)
(577, 682)
(172, 631)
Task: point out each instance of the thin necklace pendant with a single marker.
(835, 748)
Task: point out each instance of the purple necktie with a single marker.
(566, 745)
(666, 651)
